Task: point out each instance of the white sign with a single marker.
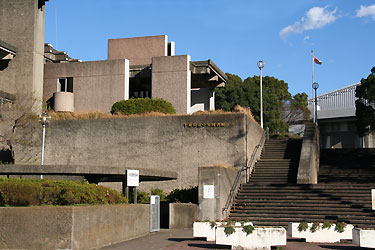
(208, 191)
(132, 178)
(373, 198)
(153, 200)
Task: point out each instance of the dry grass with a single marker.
(98, 115)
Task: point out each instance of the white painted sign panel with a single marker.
(152, 199)
(208, 191)
(132, 178)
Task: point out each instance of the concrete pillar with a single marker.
(219, 180)
(171, 80)
(127, 74)
(212, 99)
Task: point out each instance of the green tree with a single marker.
(365, 105)
(275, 98)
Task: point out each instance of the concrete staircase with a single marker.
(272, 197)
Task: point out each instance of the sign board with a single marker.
(132, 178)
(373, 198)
(153, 199)
(208, 191)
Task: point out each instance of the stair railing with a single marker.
(248, 169)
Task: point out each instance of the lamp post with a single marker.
(260, 66)
(43, 119)
(315, 86)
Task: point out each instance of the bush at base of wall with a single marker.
(142, 105)
(26, 192)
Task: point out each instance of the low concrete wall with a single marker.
(75, 227)
(158, 143)
(221, 178)
(182, 215)
(308, 169)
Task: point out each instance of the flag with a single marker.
(316, 60)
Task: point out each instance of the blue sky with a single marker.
(234, 34)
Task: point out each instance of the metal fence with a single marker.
(337, 99)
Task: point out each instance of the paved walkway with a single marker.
(182, 239)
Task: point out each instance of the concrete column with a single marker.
(171, 80)
(221, 180)
(127, 74)
(212, 99)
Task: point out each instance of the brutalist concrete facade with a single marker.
(22, 26)
(151, 70)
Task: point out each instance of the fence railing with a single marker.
(248, 169)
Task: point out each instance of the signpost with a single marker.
(132, 180)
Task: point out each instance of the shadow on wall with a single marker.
(6, 156)
(4, 64)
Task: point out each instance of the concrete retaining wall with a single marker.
(168, 143)
(78, 227)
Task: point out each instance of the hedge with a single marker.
(142, 105)
(27, 192)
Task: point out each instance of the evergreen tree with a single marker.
(365, 105)
(247, 94)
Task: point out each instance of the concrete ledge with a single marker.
(364, 237)
(327, 235)
(308, 169)
(260, 238)
(73, 227)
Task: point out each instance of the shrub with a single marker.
(183, 195)
(160, 192)
(143, 197)
(27, 192)
(142, 105)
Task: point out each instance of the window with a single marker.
(65, 84)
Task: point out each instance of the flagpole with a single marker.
(312, 65)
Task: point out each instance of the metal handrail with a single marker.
(249, 168)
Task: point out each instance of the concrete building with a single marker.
(336, 119)
(136, 67)
(21, 48)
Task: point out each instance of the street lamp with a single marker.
(260, 66)
(315, 86)
(43, 119)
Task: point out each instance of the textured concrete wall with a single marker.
(22, 25)
(139, 50)
(222, 179)
(150, 142)
(96, 85)
(182, 215)
(171, 80)
(78, 227)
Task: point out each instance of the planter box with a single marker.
(364, 237)
(204, 230)
(261, 238)
(72, 227)
(327, 235)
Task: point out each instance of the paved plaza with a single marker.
(176, 239)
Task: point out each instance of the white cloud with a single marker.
(366, 11)
(306, 38)
(315, 18)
